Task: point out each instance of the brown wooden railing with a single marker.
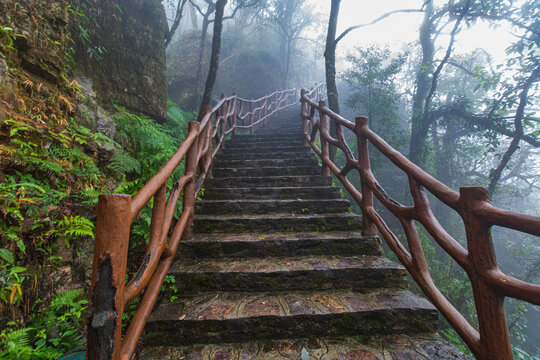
(109, 293)
(489, 284)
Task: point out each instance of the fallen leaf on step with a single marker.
(182, 317)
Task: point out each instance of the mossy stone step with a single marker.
(278, 222)
(264, 143)
(231, 316)
(308, 161)
(266, 171)
(210, 246)
(271, 181)
(256, 155)
(302, 273)
(266, 137)
(242, 206)
(265, 148)
(313, 192)
(392, 347)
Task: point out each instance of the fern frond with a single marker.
(123, 163)
(66, 298)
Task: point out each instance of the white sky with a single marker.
(400, 29)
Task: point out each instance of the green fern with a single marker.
(44, 165)
(67, 298)
(124, 163)
(70, 228)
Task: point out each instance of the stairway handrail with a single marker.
(490, 285)
(109, 293)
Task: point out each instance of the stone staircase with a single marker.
(278, 269)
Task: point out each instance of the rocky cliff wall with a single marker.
(120, 45)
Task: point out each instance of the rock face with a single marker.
(39, 35)
(122, 49)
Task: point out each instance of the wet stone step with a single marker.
(217, 207)
(311, 161)
(302, 273)
(266, 171)
(293, 140)
(390, 347)
(266, 137)
(263, 149)
(251, 155)
(314, 192)
(264, 143)
(231, 317)
(276, 223)
(206, 246)
(271, 181)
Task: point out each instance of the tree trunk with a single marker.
(419, 124)
(330, 67)
(330, 58)
(176, 23)
(205, 25)
(288, 46)
(214, 57)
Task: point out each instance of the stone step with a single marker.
(392, 347)
(278, 222)
(251, 140)
(266, 171)
(301, 273)
(311, 161)
(235, 144)
(208, 246)
(250, 155)
(266, 137)
(242, 206)
(232, 316)
(266, 148)
(314, 192)
(271, 181)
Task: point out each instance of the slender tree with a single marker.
(330, 57)
(214, 57)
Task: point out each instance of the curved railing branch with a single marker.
(489, 284)
(108, 294)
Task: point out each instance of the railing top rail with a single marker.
(267, 96)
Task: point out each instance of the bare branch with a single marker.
(384, 16)
(177, 18)
(518, 124)
(435, 77)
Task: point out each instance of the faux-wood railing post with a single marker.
(494, 337)
(265, 109)
(208, 137)
(188, 201)
(252, 118)
(223, 127)
(368, 226)
(233, 123)
(325, 147)
(303, 111)
(104, 321)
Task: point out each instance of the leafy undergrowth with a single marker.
(52, 172)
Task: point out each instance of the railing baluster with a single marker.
(324, 143)
(252, 117)
(364, 166)
(191, 170)
(494, 337)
